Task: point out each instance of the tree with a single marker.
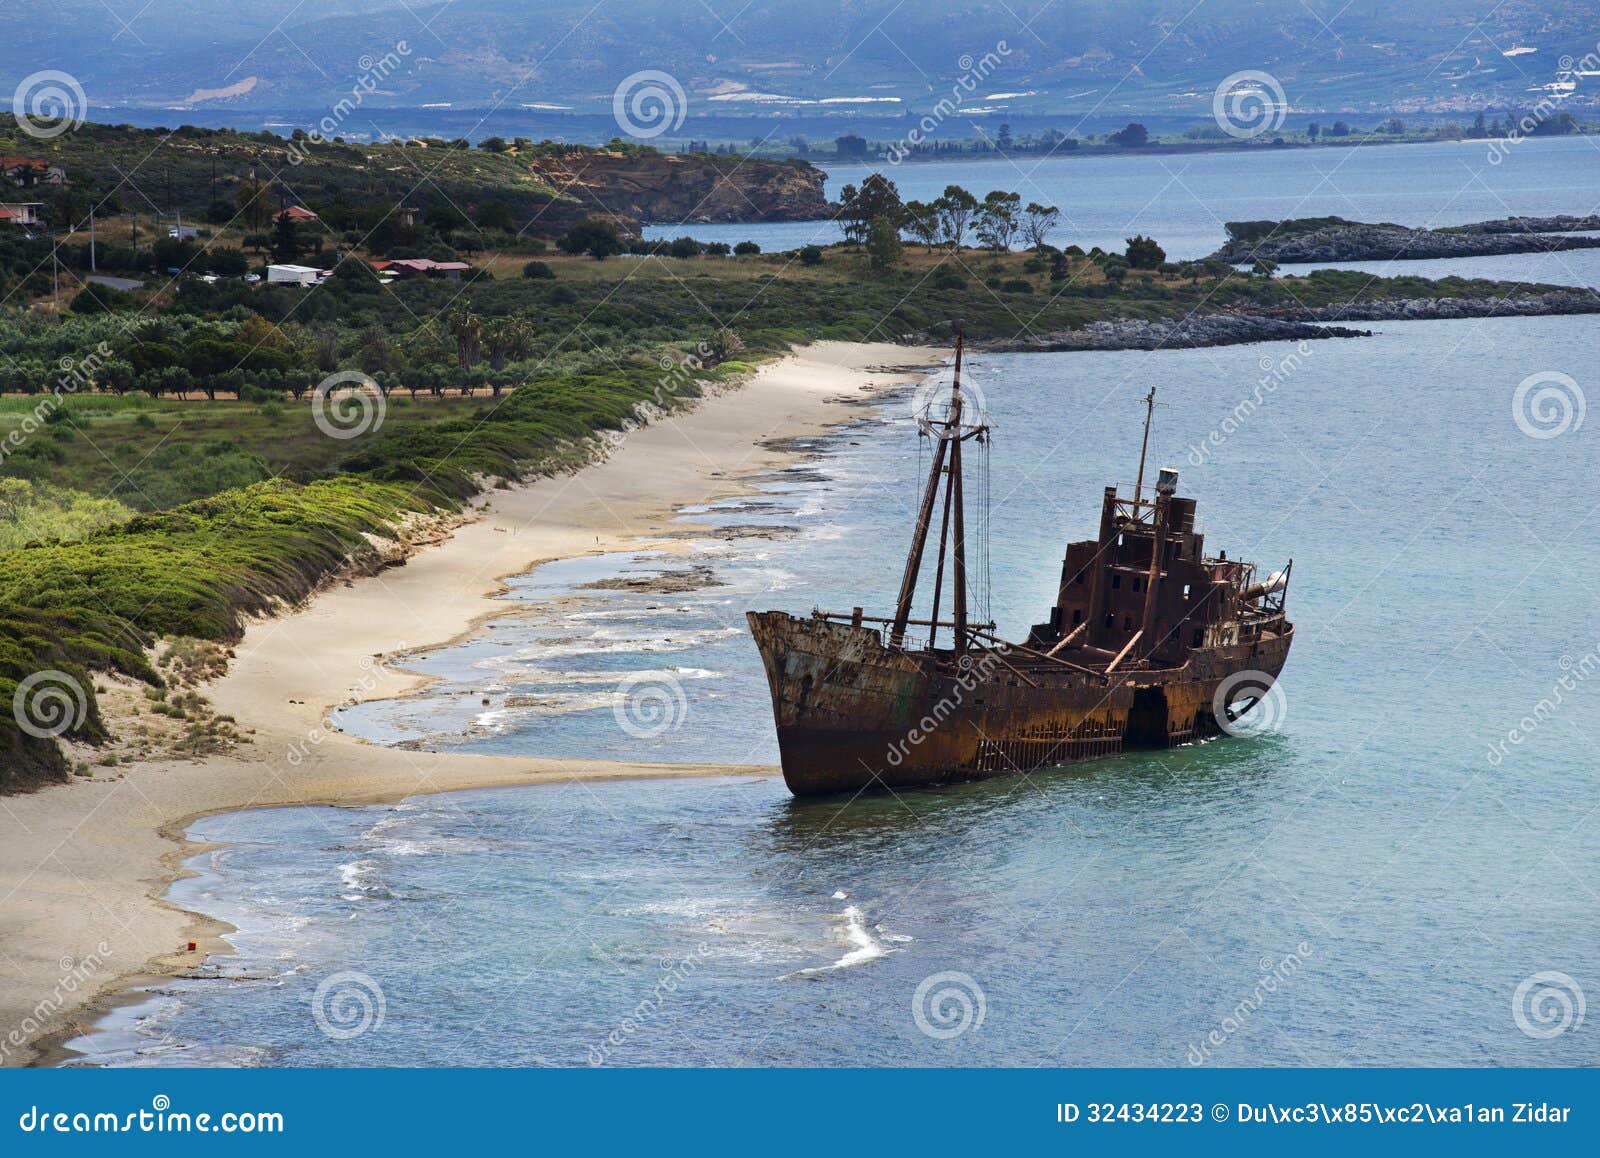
(877, 197)
(1037, 222)
(285, 240)
(997, 223)
(597, 238)
(956, 208)
(1340, 129)
(1002, 140)
(227, 262)
(1312, 130)
(850, 148)
(883, 243)
(493, 144)
(746, 249)
(537, 271)
(1131, 136)
(252, 203)
(811, 255)
(921, 220)
(466, 328)
(503, 339)
(1060, 269)
(1144, 253)
(494, 214)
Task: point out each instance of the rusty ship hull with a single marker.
(1150, 642)
(854, 714)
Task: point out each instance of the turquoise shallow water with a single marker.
(1385, 876)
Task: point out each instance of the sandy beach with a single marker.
(84, 866)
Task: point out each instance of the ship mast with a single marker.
(1149, 411)
(949, 435)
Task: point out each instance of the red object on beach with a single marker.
(191, 946)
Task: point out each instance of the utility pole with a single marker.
(93, 268)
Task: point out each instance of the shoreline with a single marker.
(85, 867)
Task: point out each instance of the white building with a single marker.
(293, 275)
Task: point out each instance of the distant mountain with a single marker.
(1154, 56)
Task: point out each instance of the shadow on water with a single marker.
(1173, 788)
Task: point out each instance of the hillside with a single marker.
(863, 56)
(545, 188)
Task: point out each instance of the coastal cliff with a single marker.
(696, 189)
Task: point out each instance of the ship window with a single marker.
(1111, 620)
(1136, 583)
(1186, 591)
(1080, 576)
(1127, 623)
(1116, 580)
(1199, 636)
(1077, 616)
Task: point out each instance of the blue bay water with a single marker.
(1182, 200)
(1371, 882)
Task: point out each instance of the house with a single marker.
(294, 275)
(27, 172)
(404, 267)
(183, 233)
(298, 214)
(22, 212)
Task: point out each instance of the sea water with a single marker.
(1374, 879)
(1401, 866)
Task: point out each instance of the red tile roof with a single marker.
(297, 213)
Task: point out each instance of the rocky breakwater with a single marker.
(1229, 329)
(1333, 239)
